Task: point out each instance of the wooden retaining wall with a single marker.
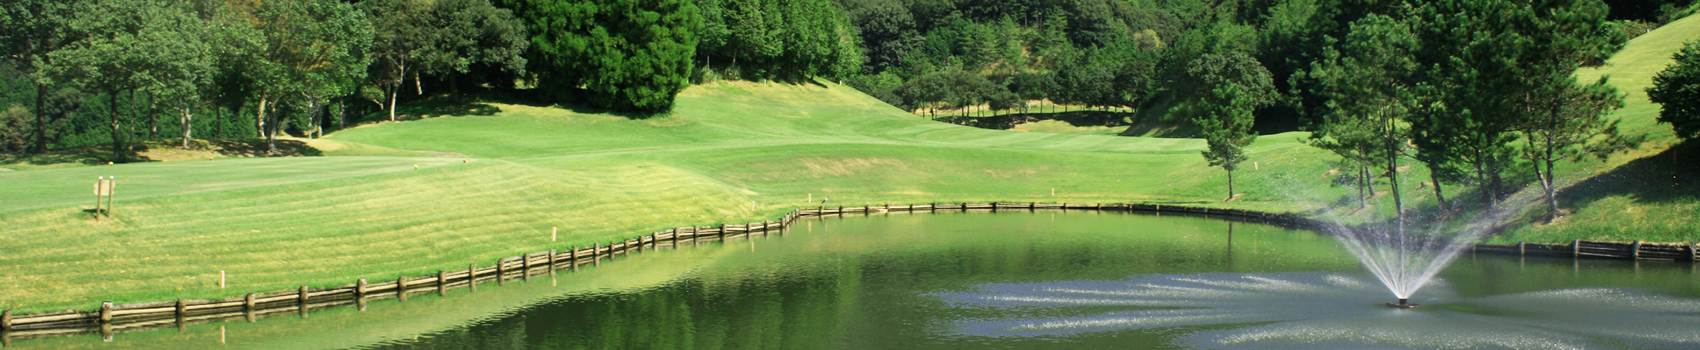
(109, 319)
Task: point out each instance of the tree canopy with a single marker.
(630, 55)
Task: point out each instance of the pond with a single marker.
(1023, 280)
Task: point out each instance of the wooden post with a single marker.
(105, 312)
(182, 308)
(501, 269)
(442, 282)
(1576, 249)
(360, 288)
(401, 287)
(301, 296)
(1635, 250)
(248, 302)
(1520, 250)
(472, 277)
(596, 254)
(551, 261)
(1693, 252)
(111, 189)
(97, 184)
(6, 317)
(572, 256)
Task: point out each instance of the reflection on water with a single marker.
(1312, 310)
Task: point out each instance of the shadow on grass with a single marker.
(102, 154)
(1671, 175)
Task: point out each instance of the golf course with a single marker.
(438, 190)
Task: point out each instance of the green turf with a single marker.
(731, 152)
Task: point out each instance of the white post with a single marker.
(221, 278)
(554, 232)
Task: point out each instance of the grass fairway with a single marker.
(731, 152)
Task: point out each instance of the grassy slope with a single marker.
(277, 223)
(1641, 194)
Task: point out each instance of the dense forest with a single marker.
(1473, 89)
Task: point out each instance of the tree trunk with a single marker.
(1547, 183)
(260, 116)
(187, 117)
(153, 117)
(218, 121)
(342, 113)
(418, 88)
(40, 119)
(1366, 186)
(117, 142)
(1438, 193)
(271, 135)
(1230, 184)
(1393, 184)
(454, 87)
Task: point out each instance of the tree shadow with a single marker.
(102, 154)
(1660, 178)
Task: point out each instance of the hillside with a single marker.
(1651, 193)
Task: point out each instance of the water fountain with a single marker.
(1404, 259)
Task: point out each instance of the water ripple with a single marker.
(1318, 310)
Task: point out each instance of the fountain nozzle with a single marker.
(1403, 304)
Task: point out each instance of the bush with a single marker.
(15, 130)
(1677, 90)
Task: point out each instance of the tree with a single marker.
(464, 33)
(130, 45)
(1677, 91)
(1559, 118)
(398, 34)
(630, 55)
(1034, 86)
(1570, 124)
(186, 74)
(888, 30)
(29, 31)
(1232, 86)
(1370, 86)
(313, 49)
(1464, 59)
